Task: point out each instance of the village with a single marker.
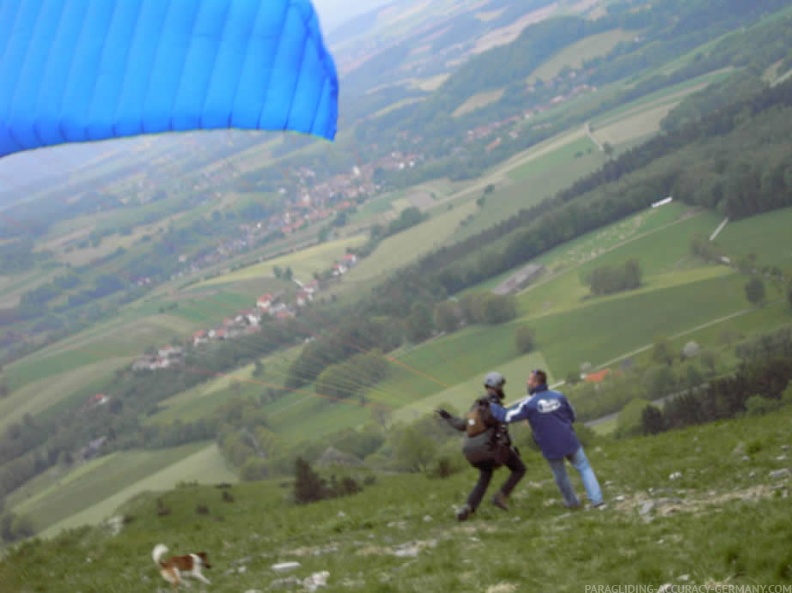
(244, 323)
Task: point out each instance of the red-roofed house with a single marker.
(597, 377)
(98, 399)
(199, 337)
(264, 301)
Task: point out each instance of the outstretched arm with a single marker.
(515, 413)
(453, 421)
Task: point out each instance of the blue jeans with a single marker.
(580, 462)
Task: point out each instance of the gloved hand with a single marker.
(443, 414)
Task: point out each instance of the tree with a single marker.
(756, 405)
(631, 417)
(608, 149)
(414, 449)
(15, 527)
(288, 274)
(755, 291)
(659, 380)
(789, 294)
(661, 351)
(446, 316)
(419, 326)
(612, 279)
(258, 369)
(308, 485)
(277, 271)
(525, 339)
(499, 309)
(652, 421)
(709, 359)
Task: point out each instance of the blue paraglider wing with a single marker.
(82, 70)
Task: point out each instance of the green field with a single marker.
(508, 200)
(478, 101)
(304, 263)
(673, 93)
(202, 400)
(768, 236)
(39, 396)
(403, 248)
(13, 287)
(663, 254)
(125, 336)
(94, 490)
(576, 54)
(556, 159)
(205, 306)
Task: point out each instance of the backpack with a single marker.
(479, 419)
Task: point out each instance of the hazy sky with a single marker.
(334, 12)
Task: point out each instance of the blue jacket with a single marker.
(550, 415)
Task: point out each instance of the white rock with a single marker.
(285, 566)
(675, 476)
(684, 578)
(427, 518)
(316, 581)
(779, 474)
(620, 498)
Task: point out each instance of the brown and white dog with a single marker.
(175, 568)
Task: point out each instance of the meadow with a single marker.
(723, 521)
(94, 494)
(405, 247)
(127, 335)
(478, 101)
(576, 54)
(304, 263)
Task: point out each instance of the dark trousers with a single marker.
(517, 469)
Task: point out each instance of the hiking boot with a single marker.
(464, 513)
(500, 501)
(601, 506)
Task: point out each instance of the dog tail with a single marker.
(158, 552)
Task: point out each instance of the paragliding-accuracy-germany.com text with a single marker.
(688, 588)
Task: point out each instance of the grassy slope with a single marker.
(407, 246)
(303, 263)
(724, 521)
(576, 54)
(95, 489)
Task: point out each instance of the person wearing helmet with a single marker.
(488, 449)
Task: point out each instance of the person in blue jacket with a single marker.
(551, 416)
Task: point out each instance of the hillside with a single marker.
(202, 310)
(675, 505)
